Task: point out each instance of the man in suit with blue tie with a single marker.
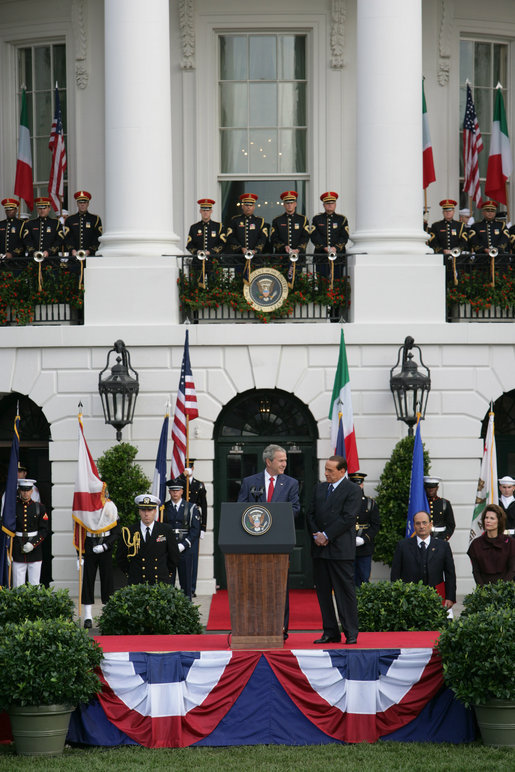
(332, 522)
(273, 485)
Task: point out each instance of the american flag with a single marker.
(58, 166)
(472, 146)
(186, 406)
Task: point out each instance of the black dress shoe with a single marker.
(285, 635)
(350, 641)
(329, 639)
(88, 624)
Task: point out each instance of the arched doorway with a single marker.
(34, 439)
(246, 425)
(504, 409)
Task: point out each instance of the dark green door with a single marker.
(247, 425)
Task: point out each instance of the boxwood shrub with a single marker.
(497, 594)
(32, 601)
(143, 609)
(394, 606)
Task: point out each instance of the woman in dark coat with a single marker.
(493, 553)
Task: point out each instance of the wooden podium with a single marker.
(256, 540)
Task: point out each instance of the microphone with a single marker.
(257, 492)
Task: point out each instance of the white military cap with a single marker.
(506, 480)
(147, 501)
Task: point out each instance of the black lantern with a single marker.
(118, 391)
(410, 386)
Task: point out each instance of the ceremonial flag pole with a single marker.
(23, 184)
(500, 162)
(185, 410)
(159, 480)
(417, 494)
(9, 507)
(340, 413)
(472, 146)
(487, 492)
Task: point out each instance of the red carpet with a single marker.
(304, 611)
(164, 643)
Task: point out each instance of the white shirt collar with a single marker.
(426, 540)
(144, 527)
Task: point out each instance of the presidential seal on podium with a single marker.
(256, 520)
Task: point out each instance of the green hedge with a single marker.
(34, 602)
(394, 606)
(143, 609)
(497, 594)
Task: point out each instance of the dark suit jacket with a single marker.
(153, 562)
(285, 489)
(336, 517)
(440, 564)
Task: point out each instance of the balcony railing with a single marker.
(480, 288)
(314, 294)
(40, 293)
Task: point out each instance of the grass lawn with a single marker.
(382, 756)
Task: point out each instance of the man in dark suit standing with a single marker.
(332, 523)
(273, 485)
(147, 551)
(424, 558)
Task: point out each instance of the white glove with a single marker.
(359, 541)
(80, 563)
(188, 472)
(28, 547)
(181, 547)
(202, 534)
(98, 548)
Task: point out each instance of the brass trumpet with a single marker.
(201, 255)
(80, 254)
(493, 251)
(456, 252)
(249, 254)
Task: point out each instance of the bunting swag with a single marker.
(298, 697)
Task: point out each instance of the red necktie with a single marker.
(270, 489)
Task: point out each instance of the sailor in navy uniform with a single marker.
(31, 530)
(13, 231)
(147, 551)
(205, 236)
(507, 502)
(329, 234)
(184, 518)
(44, 233)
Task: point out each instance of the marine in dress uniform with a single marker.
(82, 230)
(367, 527)
(246, 232)
(31, 530)
(147, 551)
(13, 231)
(329, 234)
(507, 502)
(184, 518)
(98, 554)
(44, 233)
(447, 234)
(290, 231)
(196, 495)
(440, 510)
(489, 232)
(205, 236)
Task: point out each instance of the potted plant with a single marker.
(478, 652)
(49, 667)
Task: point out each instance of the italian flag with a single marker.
(487, 484)
(23, 185)
(428, 166)
(500, 162)
(343, 437)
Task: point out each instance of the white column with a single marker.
(131, 283)
(389, 199)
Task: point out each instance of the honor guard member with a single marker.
(465, 217)
(184, 518)
(489, 232)
(44, 233)
(367, 527)
(329, 234)
(196, 495)
(447, 234)
(13, 231)
(82, 229)
(246, 232)
(290, 231)
(31, 530)
(147, 550)
(98, 554)
(440, 510)
(507, 502)
(205, 236)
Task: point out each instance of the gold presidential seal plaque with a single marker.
(267, 289)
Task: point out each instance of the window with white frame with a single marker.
(485, 64)
(262, 118)
(40, 67)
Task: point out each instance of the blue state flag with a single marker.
(340, 439)
(159, 480)
(9, 504)
(417, 493)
